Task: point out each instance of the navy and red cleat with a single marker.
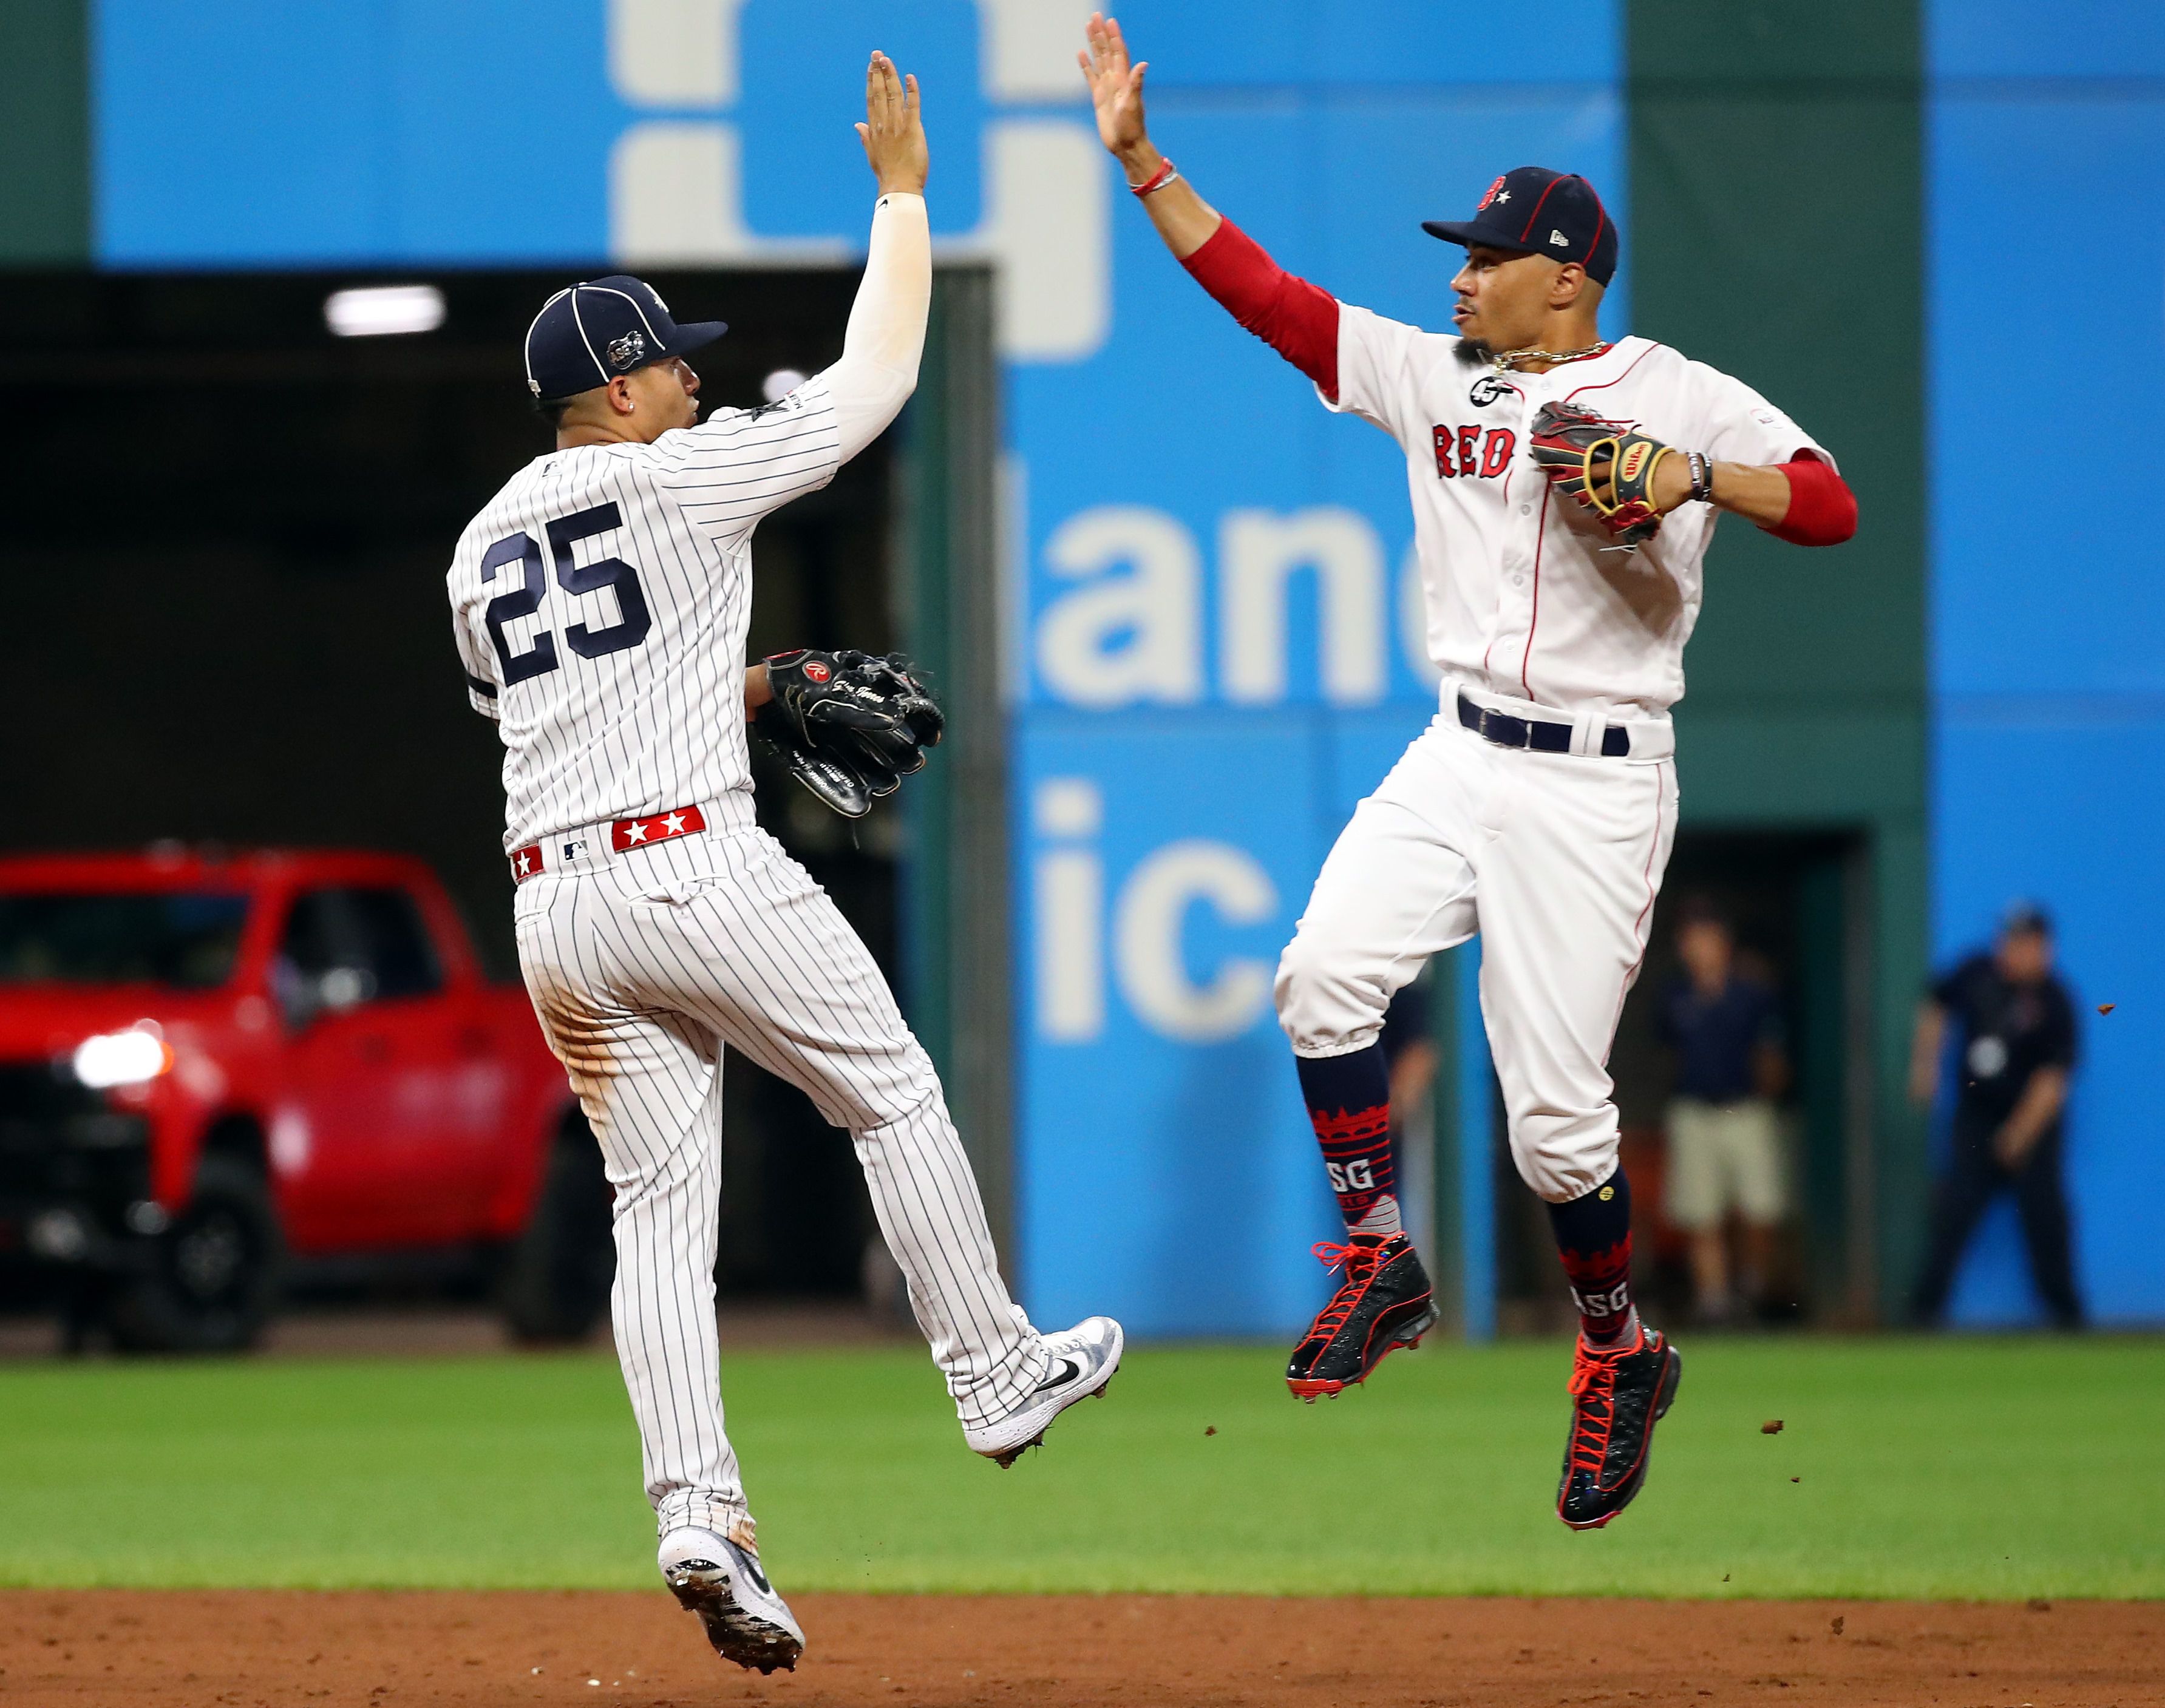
(1617, 1398)
(1385, 1301)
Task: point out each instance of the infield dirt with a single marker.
(237, 1648)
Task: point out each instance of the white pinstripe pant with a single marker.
(641, 967)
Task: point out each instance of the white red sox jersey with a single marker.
(1526, 595)
(601, 602)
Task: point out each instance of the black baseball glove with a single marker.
(1607, 465)
(850, 726)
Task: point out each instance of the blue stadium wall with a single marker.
(2046, 151)
(1212, 655)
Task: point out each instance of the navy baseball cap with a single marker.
(2026, 918)
(1537, 212)
(588, 333)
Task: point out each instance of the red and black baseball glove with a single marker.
(1607, 465)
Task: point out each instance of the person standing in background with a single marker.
(2017, 1046)
(1725, 1135)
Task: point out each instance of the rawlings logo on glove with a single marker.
(850, 726)
(1607, 467)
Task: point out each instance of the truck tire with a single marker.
(214, 1275)
(557, 1274)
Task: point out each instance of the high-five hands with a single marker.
(893, 134)
(1116, 89)
(1184, 218)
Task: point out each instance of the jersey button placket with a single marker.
(1520, 551)
(1522, 529)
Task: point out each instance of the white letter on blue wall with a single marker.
(1147, 940)
(1068, 900)
(1257, 553)
(1122, 639)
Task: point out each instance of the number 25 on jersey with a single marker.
(633, 618)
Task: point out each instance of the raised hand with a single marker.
(1116, 88)
(893, 134)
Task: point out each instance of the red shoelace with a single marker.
(1358, 1273)
(1593, 1389)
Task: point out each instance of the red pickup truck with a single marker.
(208, 1062)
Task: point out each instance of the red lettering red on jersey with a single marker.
(1473, 456)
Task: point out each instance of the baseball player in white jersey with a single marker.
(1565, 488)
(601, 601)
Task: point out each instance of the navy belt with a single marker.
(1507, 730)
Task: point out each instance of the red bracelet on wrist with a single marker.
(1158, 179)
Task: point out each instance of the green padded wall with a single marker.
(958, 985)
(44, 133)
(1777, 232)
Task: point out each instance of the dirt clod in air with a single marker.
(1772, 1425)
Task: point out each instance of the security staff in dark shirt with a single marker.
(2015, 1028)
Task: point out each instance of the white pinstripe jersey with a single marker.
(601, 602)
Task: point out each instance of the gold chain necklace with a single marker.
(1554, 358)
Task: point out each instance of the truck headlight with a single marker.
(122, 1059)
(60, 1236)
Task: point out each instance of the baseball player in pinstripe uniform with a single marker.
(601, 602)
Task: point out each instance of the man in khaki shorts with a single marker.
(1725, 1135)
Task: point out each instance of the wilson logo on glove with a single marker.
(1606, 467)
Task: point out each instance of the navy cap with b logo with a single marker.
(1534, 211)
(589, 334)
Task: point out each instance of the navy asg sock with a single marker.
(1594, 1233)
(1349, 1105)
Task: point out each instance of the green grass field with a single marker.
(1960, 1468)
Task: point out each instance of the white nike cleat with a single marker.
(719, 1579)
(1080, 1363)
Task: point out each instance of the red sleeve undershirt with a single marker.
(1300, 321)
(1822, 509)
(1297, 319)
